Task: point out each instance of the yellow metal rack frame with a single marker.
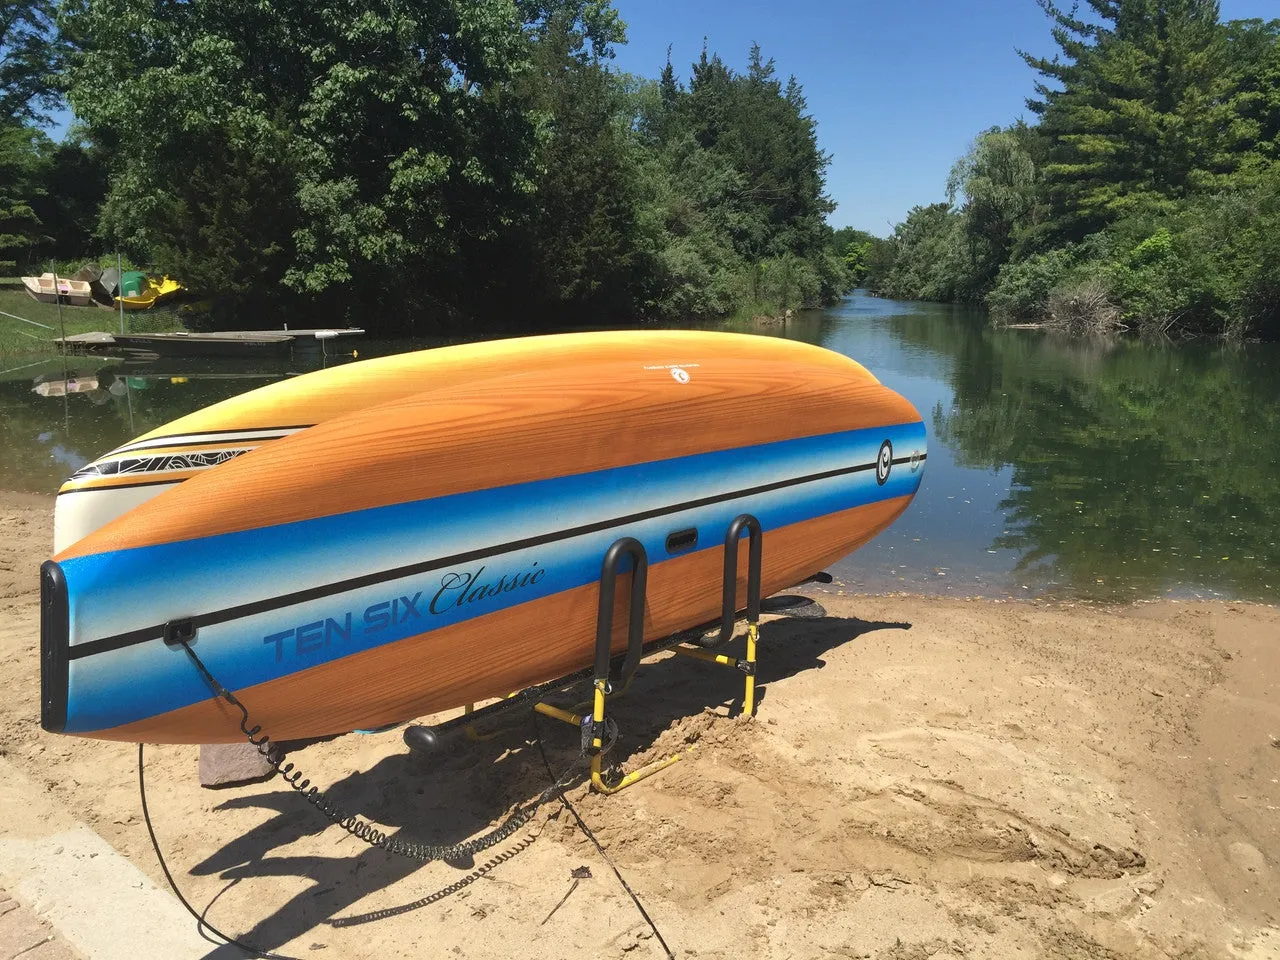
(699, 646)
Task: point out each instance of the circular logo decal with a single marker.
(679, 375)
(884, 462)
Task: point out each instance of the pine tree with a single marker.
(581, 243)
(1130, 126)
(1249, 117)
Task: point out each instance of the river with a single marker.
(1098, 471)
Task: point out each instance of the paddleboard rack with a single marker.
(611, 674)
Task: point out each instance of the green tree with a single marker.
(1248, 115)
(995, 184)
(582, 254)
(1144, 197)
(853, 247)
(931, 258)
(22, 162)
(376, 146)
(66, 195)
(1126, 106)
(745, 178)
(31, 56)
(455, 158)
(730, 189)
(31, 60)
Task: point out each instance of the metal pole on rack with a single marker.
(120, 287)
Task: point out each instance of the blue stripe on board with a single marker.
(177, 580)
(120, 591)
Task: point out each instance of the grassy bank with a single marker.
(19, 338)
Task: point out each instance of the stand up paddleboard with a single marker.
(161, 459)
(445, 547)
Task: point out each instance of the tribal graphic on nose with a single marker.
(884, 462)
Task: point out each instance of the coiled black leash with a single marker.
(349, 822)
(370, 834)
(353, 824)
(462, 883)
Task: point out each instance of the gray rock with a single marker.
(231, 764)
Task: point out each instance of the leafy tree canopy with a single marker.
(1141, 198)
(455, 159)
(31, 60)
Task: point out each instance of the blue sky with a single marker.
(899, 87)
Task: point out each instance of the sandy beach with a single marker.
(926, 778)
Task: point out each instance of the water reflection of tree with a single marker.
(1135, 468)
(44, 439)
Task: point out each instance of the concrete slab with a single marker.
(94, 899)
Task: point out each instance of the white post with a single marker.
(57, 298)
(120, 287)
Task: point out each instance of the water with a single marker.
(1080, 469)
(1056, 467)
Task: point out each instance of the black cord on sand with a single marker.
(201, 924)
(599, 848)
(481, 871)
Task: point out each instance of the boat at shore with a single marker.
(147, 292)
(132, 289)
(48, 288)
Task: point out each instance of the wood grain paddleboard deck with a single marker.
(158, 460)
(406, 557)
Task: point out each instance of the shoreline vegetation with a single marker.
(419, 170)
(1145, 199)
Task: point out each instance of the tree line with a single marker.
(412, 167)
(1146, 197)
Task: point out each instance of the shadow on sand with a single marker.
(458, 792)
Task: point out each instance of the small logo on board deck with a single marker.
(679, 371)
(884, 462)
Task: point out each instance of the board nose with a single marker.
(54, 643)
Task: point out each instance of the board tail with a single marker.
(55, 629)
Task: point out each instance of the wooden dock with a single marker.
(224, 343)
